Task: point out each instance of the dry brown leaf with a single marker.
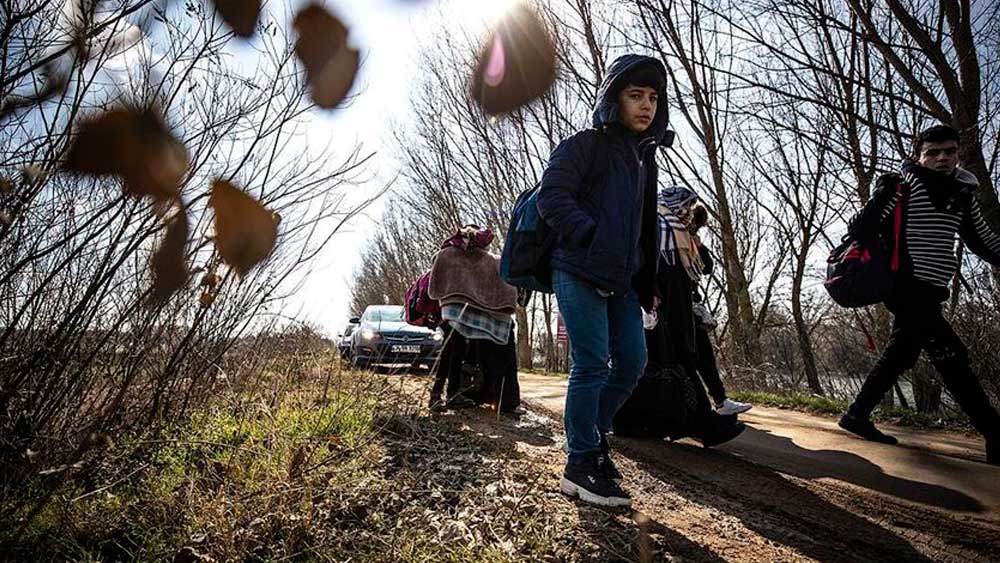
(6, 186)
(331, 66)
(170, 271)
(245, 231)
(210, 279)
(517, 63)
(134, 145)
(240, 15)
(206, 299)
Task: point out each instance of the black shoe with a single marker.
(993, 452)
(588, 481)
(605, 464)
(864, 428)
(460, 402)
(721, 432)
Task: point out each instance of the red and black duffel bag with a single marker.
(858, 273)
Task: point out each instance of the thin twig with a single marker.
(109, 486)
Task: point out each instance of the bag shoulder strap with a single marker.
(598, 165)
(897, 224)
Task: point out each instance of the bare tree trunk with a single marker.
(523, 339)
(802, 329)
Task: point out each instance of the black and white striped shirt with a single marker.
(929, 232)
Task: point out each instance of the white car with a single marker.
(384, 337)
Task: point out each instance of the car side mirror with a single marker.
(355, 320)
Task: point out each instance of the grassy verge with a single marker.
(363, 475)
(836, 407)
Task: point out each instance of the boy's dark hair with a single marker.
(645, 76)
(935, 134)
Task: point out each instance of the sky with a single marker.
(388, 33)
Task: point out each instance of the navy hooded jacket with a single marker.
(608, 233)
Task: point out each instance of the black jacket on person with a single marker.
(608, 231)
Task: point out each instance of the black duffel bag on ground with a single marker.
(664, 404)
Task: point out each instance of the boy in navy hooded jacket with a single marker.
(604, 264)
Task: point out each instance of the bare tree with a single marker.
(82, 347)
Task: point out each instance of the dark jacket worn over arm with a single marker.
(644, 281)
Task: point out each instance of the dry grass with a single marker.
(364, 475)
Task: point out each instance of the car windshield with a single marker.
(386, 314)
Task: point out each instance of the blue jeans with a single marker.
(599, 329)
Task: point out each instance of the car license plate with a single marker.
(405, 349)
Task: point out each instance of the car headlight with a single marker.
(368, 334)
(438, 335)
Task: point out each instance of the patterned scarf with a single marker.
(677, 246)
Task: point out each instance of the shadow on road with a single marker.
(781, 453)
(655, 542)
(768, 503)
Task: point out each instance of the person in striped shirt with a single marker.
(938, 202)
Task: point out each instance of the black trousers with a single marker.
(498, 364)
(708, 369)
(918, 325)
(449, 366)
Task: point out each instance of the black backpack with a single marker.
(526, 258)
(858, 273)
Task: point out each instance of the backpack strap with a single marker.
(897, 227)
(598, 165)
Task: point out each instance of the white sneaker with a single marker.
(730, 406)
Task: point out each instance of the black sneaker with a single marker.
(460, 402)
(720, 432)
(864, 428)
(588, 481)
(605, 464)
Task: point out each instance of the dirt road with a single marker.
(794, 487)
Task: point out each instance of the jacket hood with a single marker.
(947, 191)
(966, 177)
(676, 197)
(606, 109)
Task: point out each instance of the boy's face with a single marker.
(637, 107)
(942, 156)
